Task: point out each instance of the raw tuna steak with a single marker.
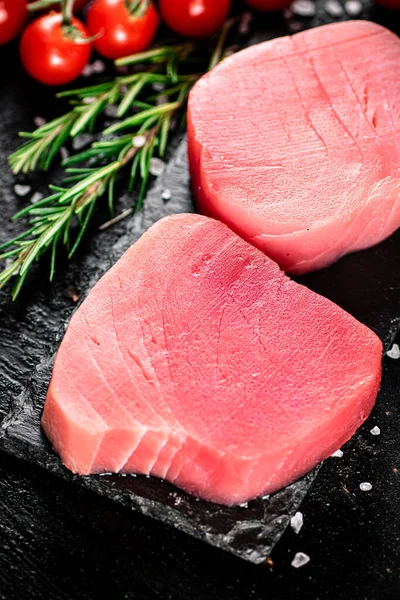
(197, 360)
(294, 143)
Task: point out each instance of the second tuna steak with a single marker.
(294, 143)
(195, 359)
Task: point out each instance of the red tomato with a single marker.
(268, 5)
(121, 32)
(50, 53)
(13, 14)
(194, 18)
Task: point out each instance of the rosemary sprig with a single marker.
(67, 210)
(141, 133)
(89, 103)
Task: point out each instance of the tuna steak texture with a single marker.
(294, 143)
(197, 360)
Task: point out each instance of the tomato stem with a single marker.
(42, 4)
(137, 8)
(67, 10)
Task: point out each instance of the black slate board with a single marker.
(366, 284)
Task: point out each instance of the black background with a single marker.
(60, 541)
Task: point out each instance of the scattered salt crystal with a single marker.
(337, 454)
(297, 521)
(111, 111)
(300, 559)
(89, 100)
(87, 71)
(333, 8)
(266, 497)
(22, 190)
(82, 140)
(394, 352)
(98, 66)
(37, 196)
(8, 262)
(245, 23)
(177, 501)
(157, 166)
(64, 153)
(244, 505)
(39, 121)
(303, 8)
(295, 26)
(161, 99)
(365, 487)
(375, 430)
(158, 87)
(166, 195)
(353, 8)
(139, 141)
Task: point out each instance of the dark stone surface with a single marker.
(60, 541)
(366, 284)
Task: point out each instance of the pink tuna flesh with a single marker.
(196, 359)
(294, 143)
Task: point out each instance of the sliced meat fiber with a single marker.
(196, 359)
(294, 143)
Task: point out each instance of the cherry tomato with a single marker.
(194, 18)
(13, 14)
(122, 32)
(50, 53)
(268, 5)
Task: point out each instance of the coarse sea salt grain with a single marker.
(300, 559)
(337, 454)
(111, 111)
(161, 99)
(138, 141)
(98, 66)
(375, 430)
(245, 23)
(297, 521)
(303, 8)
(37, 196)
(166, 195)
(394, 352)
(87, 71)
(158, 87)
(353, 8)
(365, 486)
(82, 140)
(22, 190)
(39, 121)
(294, 26)
(333, 8)
(157, 167)
(64, 153)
